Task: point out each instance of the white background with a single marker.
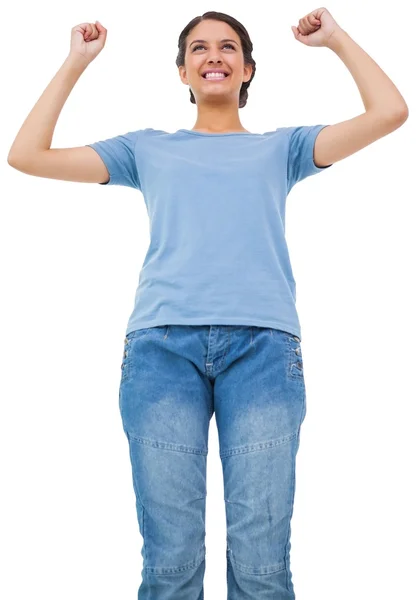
(71, 256)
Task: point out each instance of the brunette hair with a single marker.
(245, 42)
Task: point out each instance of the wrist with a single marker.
(336, 39)
(77, 61)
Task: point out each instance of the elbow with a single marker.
(18, 163)
(393, 119)
(400, 115)
(12, 161)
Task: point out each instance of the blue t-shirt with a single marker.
(216, 207)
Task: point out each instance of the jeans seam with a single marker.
(258, 447)
(173, 570)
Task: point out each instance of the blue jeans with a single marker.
(174, 377)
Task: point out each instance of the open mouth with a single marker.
(215, 77)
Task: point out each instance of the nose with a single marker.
(215, 63)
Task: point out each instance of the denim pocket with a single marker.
(295, 364)
(126, 363)
(126, 355)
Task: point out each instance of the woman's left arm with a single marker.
(385, 108)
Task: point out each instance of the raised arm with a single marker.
(31, 150)
(385, 108)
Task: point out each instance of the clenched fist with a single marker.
(87, 40)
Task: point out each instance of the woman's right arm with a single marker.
(31, 150)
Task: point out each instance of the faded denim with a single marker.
(173, 379)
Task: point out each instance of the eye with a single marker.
(201, 46)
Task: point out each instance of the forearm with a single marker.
(37, 130)
(377, 91)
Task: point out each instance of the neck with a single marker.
(210, 120)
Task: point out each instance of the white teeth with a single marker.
(215, 76)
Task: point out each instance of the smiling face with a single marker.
(220, 50)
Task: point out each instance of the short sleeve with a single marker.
(300, 162)
(118, 155)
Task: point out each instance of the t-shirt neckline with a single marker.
(217, 134)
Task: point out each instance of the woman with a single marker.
(214, 327)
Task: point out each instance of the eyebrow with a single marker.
(205, 42)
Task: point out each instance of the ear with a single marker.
(182, 75)
(248, 71)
